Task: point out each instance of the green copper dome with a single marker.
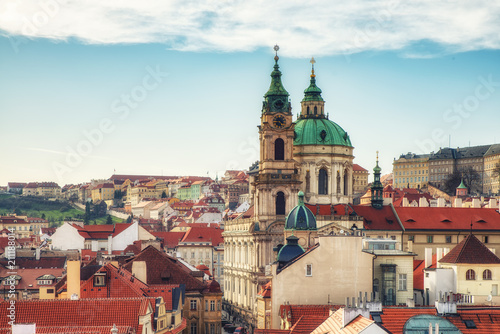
(462, 185)
(319, 131)
(300, 218)
(313, 92)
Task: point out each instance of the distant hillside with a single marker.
(54, 211)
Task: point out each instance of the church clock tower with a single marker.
(277, 182)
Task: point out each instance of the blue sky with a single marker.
(176, 88)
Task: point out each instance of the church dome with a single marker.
(319, 131)
(290, 251)
(300, 218)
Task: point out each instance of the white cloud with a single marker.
(321, 27)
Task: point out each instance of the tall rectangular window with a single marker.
(194, 328)
(430, 239)
(448, 239)
(212, 305)
(402, 282)
(193, 304)
(309, 270)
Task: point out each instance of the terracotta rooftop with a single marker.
(470, 250)
(163, 269)
(78, 313)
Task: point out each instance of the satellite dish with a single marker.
(489, 298)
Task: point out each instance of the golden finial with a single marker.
(276, 49)
(312, 71)
(377, 155)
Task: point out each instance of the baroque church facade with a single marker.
(313, 155)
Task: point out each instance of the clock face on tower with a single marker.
(279, 121)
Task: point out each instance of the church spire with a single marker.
(276, 98)
(313, 92)
(377, 188)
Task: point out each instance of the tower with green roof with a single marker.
(323, 150)
(377, 188)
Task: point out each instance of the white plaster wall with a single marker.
(67, 237)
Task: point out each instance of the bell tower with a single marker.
(277, 182)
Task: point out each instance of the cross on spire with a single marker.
(312, 61)
(276, 49)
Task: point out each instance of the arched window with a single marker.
(279, 149)
(470, 275)
(346, 182)
(323, 182)
(280, 203)
(315, 110)
(487, 275)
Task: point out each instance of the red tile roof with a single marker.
(394, 319)
(29, 276)
(163, 269)
(425, 218)
(78, 313)
(374, 219)
(358, 168)
(265, 290)
(170, 239)
(204, 234)
(470, 250)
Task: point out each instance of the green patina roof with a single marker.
(313, 92)
(462, 185)
(377, 168)
(319, 131)
(276, 98)
(300, 218)
(419, 324)
(276, 87)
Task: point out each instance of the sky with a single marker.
(176, 87)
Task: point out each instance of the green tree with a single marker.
(43, 216)
(87, 217)
(109, 220)
(470, 176)
(129, 219)
(164, 194)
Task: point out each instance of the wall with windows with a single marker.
(337, 261)
(395, 278)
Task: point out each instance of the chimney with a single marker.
(440, 202)
(73, 278)
(37, 254)
(476, 203)
(493, 203)
(410, 246)
(439, 256)
(458, 202)
(446, 250)
(405, 202)
(428, 257)
(110, 244)
(422, 202)
(139, 270)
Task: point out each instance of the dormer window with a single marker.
(100, 279)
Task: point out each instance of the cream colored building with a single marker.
(411, 171)
(491, 181)
(360, 179)
(392, 271)
(335, 269)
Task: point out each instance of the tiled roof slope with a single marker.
(78, 313)
(470, 250)
(204, 234)
(394, 319)
(334, 324)
(374, 219)
(425, 218)
(487, 320)
(163, 269)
